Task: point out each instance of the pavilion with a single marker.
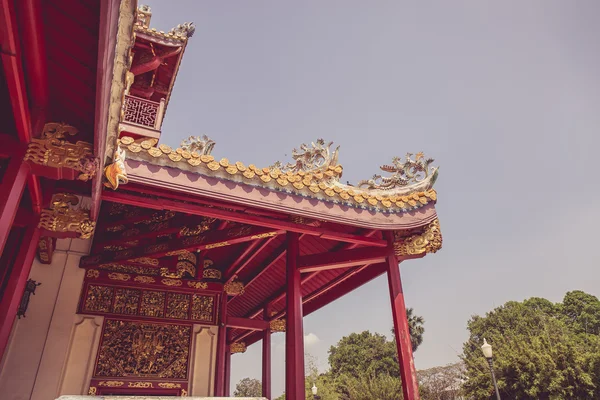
(140, 268)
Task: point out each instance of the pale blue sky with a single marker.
(505, 95)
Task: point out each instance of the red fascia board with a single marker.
(342, 259)
(247, 323)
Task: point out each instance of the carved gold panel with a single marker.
(126, 301)
(178, 305)
(202, 308)
(153, 304)
(99, 298)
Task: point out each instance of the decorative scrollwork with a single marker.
(54, 151)
(277, 325)
(429, 241)
(119, 277)
(198, 285)
(92, 273)
(201, 145)
(92, 391)
(234, 288)
(111, 383)
(211, 273)
(63, 216)
(403, 173)
(310, 159)
(171, 282)
(144, 279)
(169, 385)
(238, 347)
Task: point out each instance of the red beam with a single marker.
(247, 323)
(16, 285)
(294, 334)
(342, 259)
(10, 146)
(251, 251)
(164, 204)
(201, 242)
(11, 191)
(266, 361)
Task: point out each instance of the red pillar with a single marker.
(294, 336)
(16, 284)
(221, 366)
(410, 386)
(11, 191)
(266, 361)
(227, 372)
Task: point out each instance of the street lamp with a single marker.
(487, 353)
(314, 392)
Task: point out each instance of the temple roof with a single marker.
(314, 174)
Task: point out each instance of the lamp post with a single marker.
(487, 353)
(314, 392)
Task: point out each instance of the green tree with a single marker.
(541, 350)
(248, 387)
(370, 386)
(415, 328)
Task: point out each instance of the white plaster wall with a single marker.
(203, 359)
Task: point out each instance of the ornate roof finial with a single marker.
(202, 145)
(403, 173)
(144, 15)
(186, 29)
(314, 158)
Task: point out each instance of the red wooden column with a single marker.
(410, 387)
(16, 284)
(221, 365)
(11, 191)
(227, 372)
(266, 361)
(294, 336)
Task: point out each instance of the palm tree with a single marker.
(415, 328)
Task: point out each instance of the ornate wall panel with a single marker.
(134, 349)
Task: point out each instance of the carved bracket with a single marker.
(53, 150)
(429, 241)
(238, 347)
(64, 217)
(277, 325)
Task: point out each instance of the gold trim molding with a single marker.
(63, 216)
(53, 150)
(238, 347)
(429, 241)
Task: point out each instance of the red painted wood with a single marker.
(16, 285)
(11, 191)
(10, 146)
(221, 366)
(343, 259)
(247, 323)
(204, 242)
(251, 251)
(227, 372)
(294, 336)
(266, 361)
(408, 373)
(164, 204)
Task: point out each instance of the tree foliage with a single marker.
(248, 387)
(541, 350)
(441, 383)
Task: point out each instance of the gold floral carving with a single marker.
(136, 349)
(116, 228)
(98, 298)
(277, 325)
(197, 285)
(130, 269)
(54, 151)
(63, 216)
(429, 241)
(211, 273)
(202, 308)
(92, 273)
(111, 383)
(140, 385)
(198, 229)
(178, 305)
(216, 245)
(238, 347)
(171, 282)
(126, 301)
(153, 304)
(146, 261)
(264, 235)
(92, 391)
(117, 276)
(234, 288)
(184, 393)
(169, 385)
(144, 279)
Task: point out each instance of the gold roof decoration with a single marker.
(429, 240)
(237, 347)
(177, 35)
(315, 173)
(202, 145)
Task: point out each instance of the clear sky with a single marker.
(505, 95)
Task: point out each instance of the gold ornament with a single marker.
(234, 288)
(111, 383)
(277, 325)
(117, 276)
(238, 347)
(62, 216)
(92, 391)
(92, 273)
(54, 151)
(115, 173)
(198, 285)
(429, 241)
